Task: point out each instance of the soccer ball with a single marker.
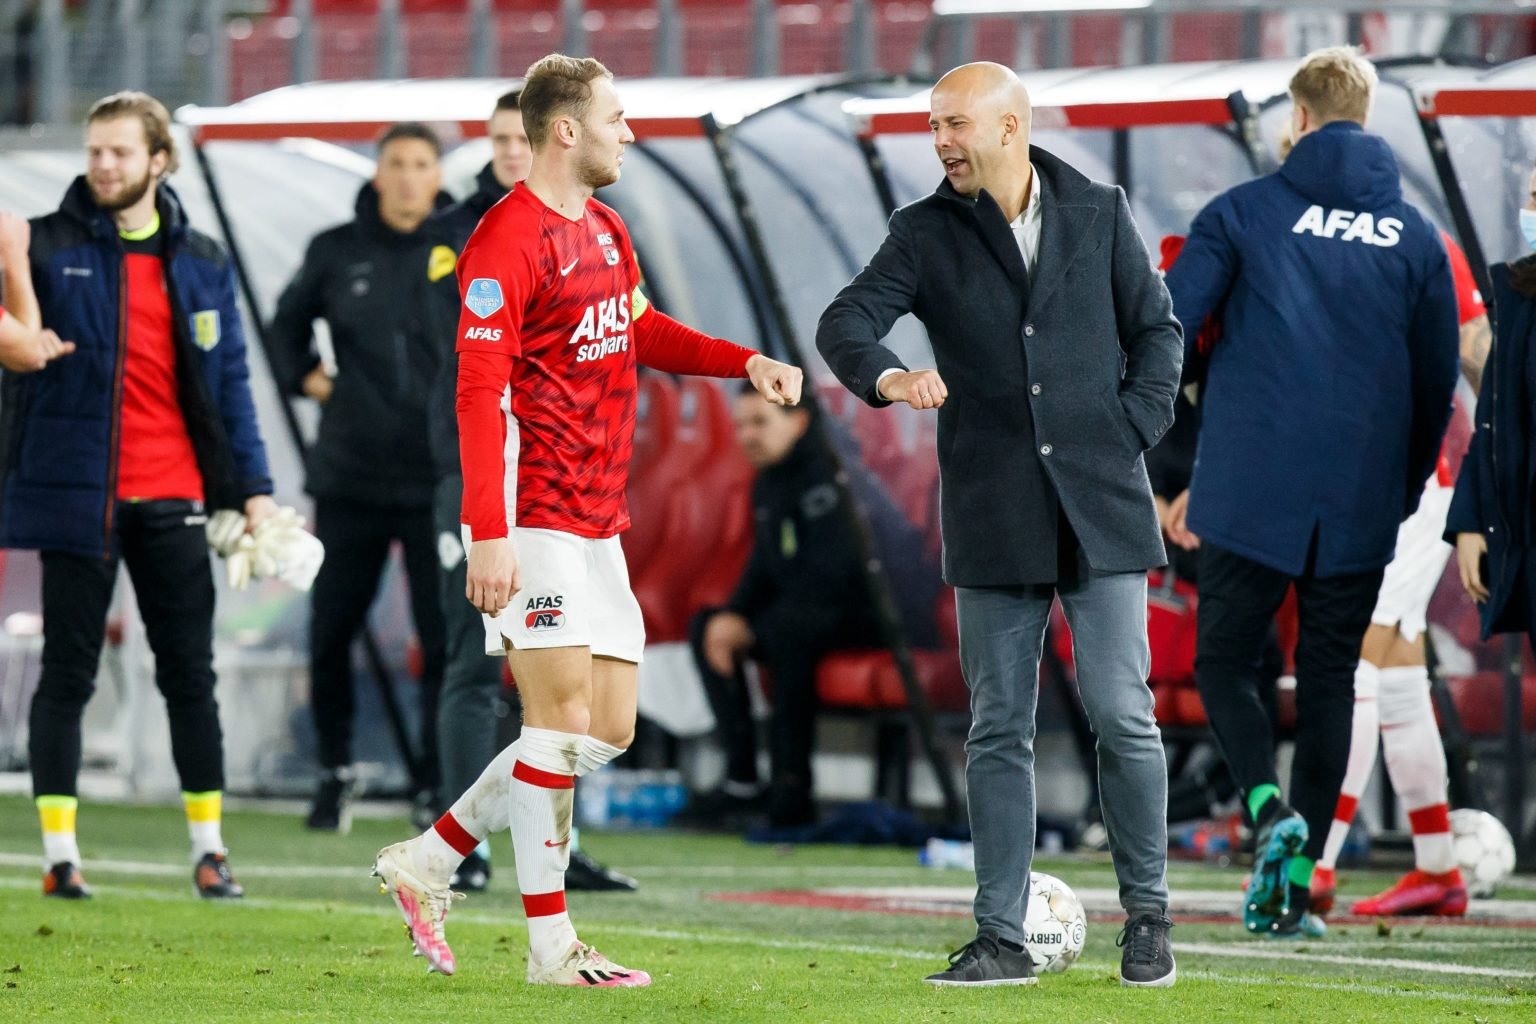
(1054, 924)
(1484, 850)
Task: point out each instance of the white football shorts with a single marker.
(575, 593)
(1416, 568)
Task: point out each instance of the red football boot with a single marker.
(1325, 885)
(1419, 892)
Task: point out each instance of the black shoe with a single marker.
(985, 962)
(1147, 957)
(424, 810)
(332, 811)
(587, 875)
(473, 874)
(213, 880)
(63, 881)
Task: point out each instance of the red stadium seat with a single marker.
(1479, 700)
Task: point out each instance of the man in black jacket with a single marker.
(370, 470)
(1058, 358)
(802, 595)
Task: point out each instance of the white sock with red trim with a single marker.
(1416, 764)
(1365, 729)
(594, 754)
(481, 810)
(542, 787)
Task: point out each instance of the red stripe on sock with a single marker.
(544, 904)
(455, 835)
(1345, 809)
(539, 777)
(1430, 821)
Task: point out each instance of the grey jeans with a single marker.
(1002, 633)
(466, 709)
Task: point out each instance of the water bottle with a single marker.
(621, 800)
(592, 808)
(947, 853)
(647, 802)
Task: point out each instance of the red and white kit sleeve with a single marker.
(495, 282)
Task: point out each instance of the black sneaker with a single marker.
(985, 962)
(587, 875)
(63, 881)
(332, 811)
(213, 880)
(1147, 957)
(473, 874)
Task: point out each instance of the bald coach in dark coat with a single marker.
(1057, 360)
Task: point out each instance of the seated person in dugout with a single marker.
(803, 594)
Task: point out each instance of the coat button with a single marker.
(1029, 330)
(1034, 389)
(1045, 449)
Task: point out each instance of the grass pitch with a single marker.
(314, 941)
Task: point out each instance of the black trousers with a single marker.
(357, 538)
(791, 639)
(167, 559)
(1238, 601)
(467, 723)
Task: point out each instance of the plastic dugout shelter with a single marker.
(747, 198)
(1176, 135)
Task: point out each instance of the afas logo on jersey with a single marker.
(1355, 227)
(483, 334)
(542, 614)
(602, 326)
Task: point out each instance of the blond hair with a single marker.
(1335, 84)
(557, 86)
(150, 112)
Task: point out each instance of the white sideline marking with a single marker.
(1236, 952)
(894, 952)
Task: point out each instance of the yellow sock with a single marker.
(57, 814)
(205, 813)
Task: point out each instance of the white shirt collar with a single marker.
(1032, 204)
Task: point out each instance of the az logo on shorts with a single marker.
(544, 614)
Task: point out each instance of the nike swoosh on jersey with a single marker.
(566, 270)
(556, 846)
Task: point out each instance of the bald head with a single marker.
(980, 114)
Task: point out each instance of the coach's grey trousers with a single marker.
(1002, 634)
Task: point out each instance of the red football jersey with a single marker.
(553, 308)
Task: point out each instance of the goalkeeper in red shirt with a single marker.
(553, 313)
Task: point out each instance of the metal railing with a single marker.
(61, 55)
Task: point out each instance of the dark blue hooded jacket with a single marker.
(1329, 391)
(58, 426)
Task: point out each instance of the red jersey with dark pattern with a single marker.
(552, 308)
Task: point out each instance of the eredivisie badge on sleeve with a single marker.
(483, 297)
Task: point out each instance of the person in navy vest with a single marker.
(1324, 405)
(1057, 360)
(118, 452)
(1493, 518)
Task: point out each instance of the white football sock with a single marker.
(1416, 764)
(594, 754)
(542, 792)
(1365, 728)
(481, 810)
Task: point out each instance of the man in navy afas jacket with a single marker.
(1325, 401)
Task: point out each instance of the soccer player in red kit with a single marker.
(553, 310)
